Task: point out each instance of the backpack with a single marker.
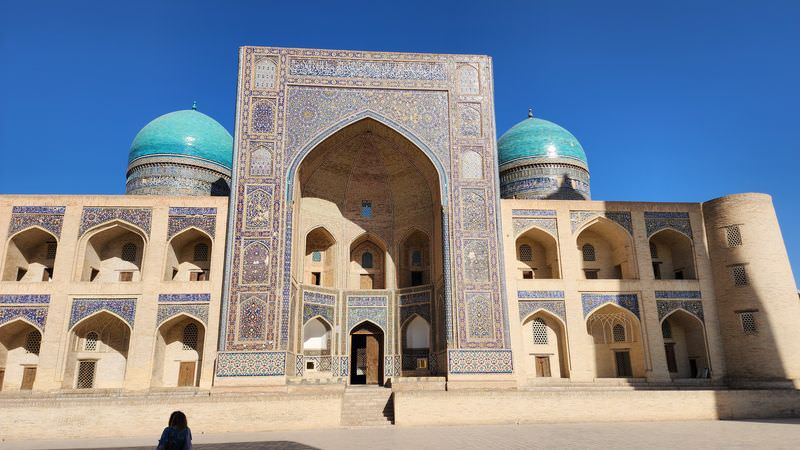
(176, 439)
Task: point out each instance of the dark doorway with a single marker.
(623, 361)
(366, 355)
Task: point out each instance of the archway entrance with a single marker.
(366, 354)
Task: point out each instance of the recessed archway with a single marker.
(178, 356)
(319, 259)
(537, 255)
(606, 251)
(97, 353)
(111, 253)
(317, 347)
(189, 257)
(685, 345)
(20, 343)
(545, 346)
(414, 265)
(672, 255)
(615, 336)
(30, 256)
(416, 345)
(366, 354)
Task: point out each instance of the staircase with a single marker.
(367, 406)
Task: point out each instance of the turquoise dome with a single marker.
(187, 133)
(538, 138)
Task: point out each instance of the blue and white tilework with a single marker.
(124, 308)
(656, 221)
(385, 70)
(184, 298)
(623, 218)
(319, 298)
(93, 216)
(51, 218)
(526, 308)
(37, 315)
(665, 307)
(421, 309)
(524, 224)
(540, 294)
(479, 361)
(678, 294)
(311, 310)
(182, 218)
(24, 299)
(356, 315)
(592, 301)
(251, 364)
(168, 311)
(362, 300)
(414, 297)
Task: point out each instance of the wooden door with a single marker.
(28, 376)
(186, 373)
(2, 376)
(373, 359)
(623, 361)
(542, 366)
(672, 363)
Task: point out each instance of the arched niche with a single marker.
(317, 343)
(30, 256)
(416, 345)
(319, 258)
(545, 346)
(537, 255)
(605, 250)
(685, 345)
(189, 256)
(178, 356)
(20, 344)
(97, 355)
(366, 354)
(414, 265)
(111, 253)
(615, 336)
(672, 255)
(367, 263)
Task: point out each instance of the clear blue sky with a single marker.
(677, 101)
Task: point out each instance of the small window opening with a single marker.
(33, 342)
(90, 341)
(190, 334)
(748, 321)
(416, 258)
(366, 208)
(416, 278)
(619, 333)
(525, 253)
(679, 275)
(666, 330)
(86, 371)
(653, 250)
(588, 252)
(52, 246)
(201, 252)
(539, 331)
(129, 252)
(591, 274)
(366, 260)
(733, 235)
(739, 274)
(94, 274)
(316, 256)
(527, 274)
(126, 276)
(316, 278)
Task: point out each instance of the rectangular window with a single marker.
(85, 374)
(416, 278)
(527, 274)
(739, 274)
(733, 235)
(748, 321)
(316, 278)
(126, 276)
(657, 270)
(51, 250)
(591, 274)
(366, 208)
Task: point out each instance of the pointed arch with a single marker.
(367, 322)
(21, 319)
(180, 259)
(99, 254)
(366, 114)
(99, 312)
(30, 255)
(613, 245)
(536, 254)
(674, 257)
(543, 311)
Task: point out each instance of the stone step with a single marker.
(367, 406)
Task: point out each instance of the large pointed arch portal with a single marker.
(371, 147)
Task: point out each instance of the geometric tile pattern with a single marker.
(124, 308)
(181, 218)
(92, 216)
(311, 310)
(592, 301)
(421, 309)
(24, 299)
(169, 298)
(389, 70)
(554, 306)
(319, 298)
(665, 307)
(656, 221)
(534, 212)
(356, 315)
(479, 361)
(540, 294)
(48, 217)
(168, 311)
(37, 315)
(360, 300)
(678, 294)
(623, 218)
(416, 297)
(522, 224)
(251, 364)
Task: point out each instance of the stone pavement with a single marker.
(766, 434)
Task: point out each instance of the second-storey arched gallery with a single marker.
(365, 225)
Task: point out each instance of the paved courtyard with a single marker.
(766, 434)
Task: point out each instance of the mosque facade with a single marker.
(364, 225)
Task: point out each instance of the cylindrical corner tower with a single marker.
(755, 289)
(181, 153)
(541, 160)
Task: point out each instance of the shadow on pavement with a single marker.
(269, 445)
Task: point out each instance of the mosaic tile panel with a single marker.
(415, 297)
(383, 70)
(554, 306)
(255, 268)
(473, 204)
(547, 213)
(361, 300)
(623, 218)
(678, 294)
(548, 225)
(388, 366)
(468, 80)
(253, 319)
(263, 116)
(479, 361)
(299, 365)
(259, 207)
(24, 299)
(357, 315)
(319, 297)
(479, 317)
(665, 307)
(51, 218)
(251, 364)
(166, 312)
(311, 310)
(172, 298)
(421, 309)
(182, 218)
(540, 294)
(261, 159)
(469, 120)
(656, 221)
(93, 216)
(37, 315)
(124, 308)
(476, 260)
(592, 301)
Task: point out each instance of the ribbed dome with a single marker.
(535, 138)
(188, 133)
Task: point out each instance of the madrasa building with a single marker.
(365, 226)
